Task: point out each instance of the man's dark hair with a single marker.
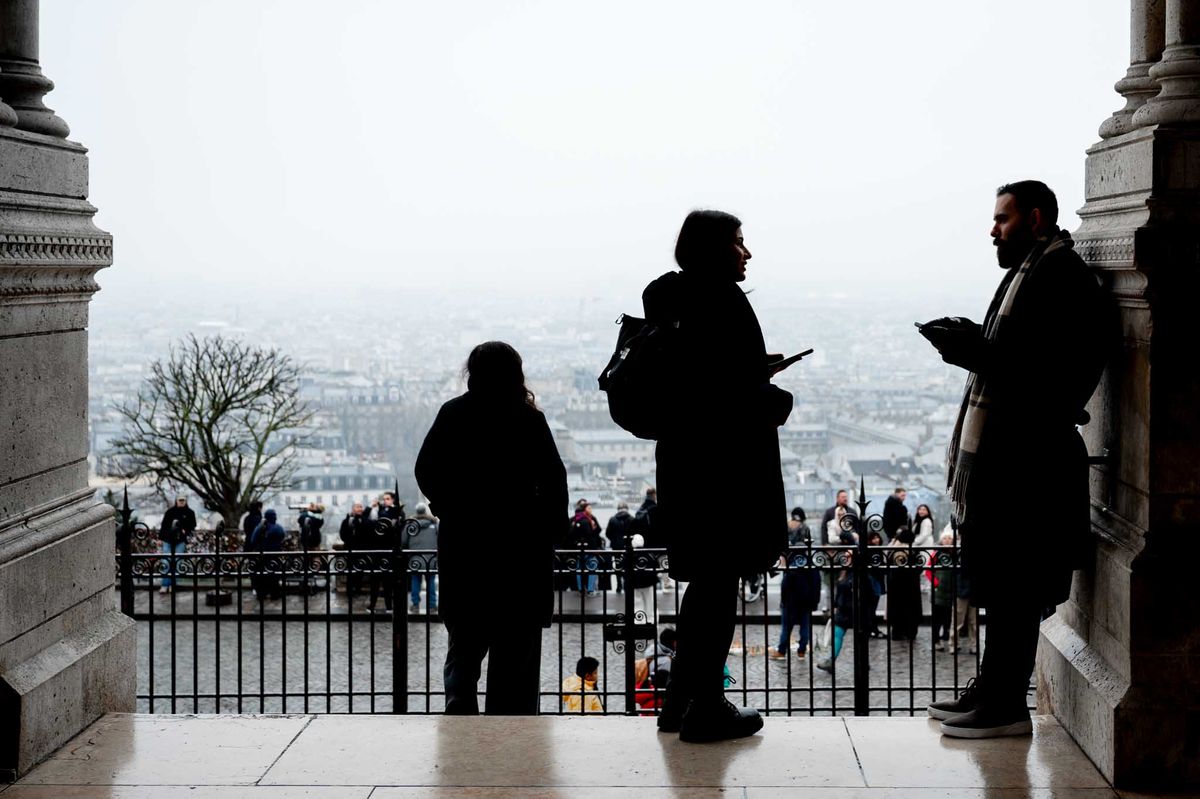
(899, 489)
(704, 241)
(667, 638)
(255, 507)
(1030, 194)
(842, 491)
(586, 665)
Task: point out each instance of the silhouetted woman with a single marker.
(495, 431)
(722, 442)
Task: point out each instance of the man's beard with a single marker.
(1012, 252)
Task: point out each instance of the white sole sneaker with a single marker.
(1017, 728)
(940, 715)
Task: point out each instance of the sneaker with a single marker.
(415, 608)
(800, 654)
(825, 665)
(775, 654)
(984, 723)
(718, 721)
(166, 589)
(967, 701)
(939, 647)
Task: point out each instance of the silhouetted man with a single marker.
(1033, 364)
(895, 515)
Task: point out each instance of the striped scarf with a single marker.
(972, 416)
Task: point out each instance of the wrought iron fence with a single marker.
(349, 632)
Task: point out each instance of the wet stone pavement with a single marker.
(270, 658)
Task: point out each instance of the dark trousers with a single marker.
(941, 621)
(1008, 656)
(514, 653)
(707, 617)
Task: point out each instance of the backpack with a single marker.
(638, 374)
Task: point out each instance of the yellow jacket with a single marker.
(573, 700)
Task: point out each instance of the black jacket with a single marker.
(1041, 369)
(723, 441)
(895, 516)
(354, 528)
(512, 446)
(177, 524)
(618, 529)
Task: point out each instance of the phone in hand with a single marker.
(778, 366)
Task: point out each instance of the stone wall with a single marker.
(1119, 663)
(66, 652)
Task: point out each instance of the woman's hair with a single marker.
(704, 241)
(494, 370)
(929, 515)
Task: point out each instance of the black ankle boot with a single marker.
(674, 704)
(718, 720)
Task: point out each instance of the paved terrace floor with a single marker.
(394, 757)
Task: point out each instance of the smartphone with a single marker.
(780, 365)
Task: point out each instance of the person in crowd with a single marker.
(799, 589)
(903, 586)
(942, 596)
(250, 521)
(1033, 364)
(268, 536)
(923, 527)
(654, 672)
(356, 533)
(965, 623)
(877, 580)
(843, 611)
(423, 537)
(389, 507)
(310, 521)
(831, 521)
(385, 531)
(718, 341)
(178, 523)
(579, 692)
(617, 531)
(585, 534)
(642, 524)
(895, 514)
(497, 428)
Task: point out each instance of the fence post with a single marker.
(862, 621)
(627, 567)
(400, 578)
(125, 543)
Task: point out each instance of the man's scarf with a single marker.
(972, 416)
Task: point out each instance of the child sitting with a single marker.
(579, 690)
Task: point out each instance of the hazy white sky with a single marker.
(551, 148)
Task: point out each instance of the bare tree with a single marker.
(215, 417)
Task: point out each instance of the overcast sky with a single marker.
(553, 148)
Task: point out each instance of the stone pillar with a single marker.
(66, 652)
(1119, 664)
(1146, 33)
(1178, 73)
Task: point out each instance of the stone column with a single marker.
(22, 84)
(1120, 661)
(66, 652)
(1146, 34)
(1178, 73)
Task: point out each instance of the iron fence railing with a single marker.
(339, 632)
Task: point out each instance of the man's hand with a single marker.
(958, 340)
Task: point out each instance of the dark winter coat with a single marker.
(843, 601)
(177, 524)
(895, 516)
(618, 529)
(723, 438)
(249, 522)
(354, 529)
(268, 536)
(511, 444)
(585, 532)
(800, 587)
(424, 535)
(1041, 369)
